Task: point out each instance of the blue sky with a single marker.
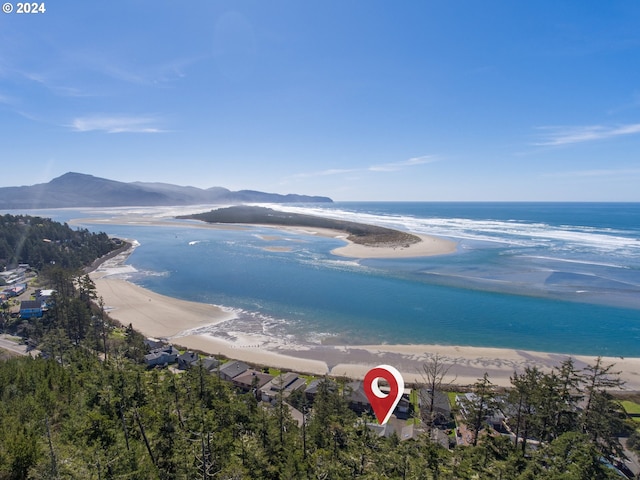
(357, 100)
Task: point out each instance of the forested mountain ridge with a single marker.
(81, 190)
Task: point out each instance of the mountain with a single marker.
(81, 190)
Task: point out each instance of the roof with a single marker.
(234, 368)
(247, 378)
(441, 399)
(313, 387)
(209, 363)
(30, 304)
(188, 357)
(354, 392)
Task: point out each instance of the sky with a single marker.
(359, 100)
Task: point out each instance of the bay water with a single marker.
(554, 277)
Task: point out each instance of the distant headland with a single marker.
(81, 190)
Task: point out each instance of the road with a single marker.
(10, 343)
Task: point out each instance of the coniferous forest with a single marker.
(88, 408)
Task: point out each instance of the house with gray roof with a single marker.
(232, 369)
(284, 384)
(161, 356)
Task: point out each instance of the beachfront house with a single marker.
(251, 380)
(232, 369)
(187, 360)
(30, 309)
(283, 385)
(354, 394)
(441, 406)
(161, 356)
(493, 416)
(317, 385)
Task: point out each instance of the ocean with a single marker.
(554, 277)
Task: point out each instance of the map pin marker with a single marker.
(383, 404)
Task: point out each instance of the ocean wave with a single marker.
(581, 262)
(506, 232)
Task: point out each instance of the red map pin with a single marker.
(383, 404)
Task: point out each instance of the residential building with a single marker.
(30, 309)
(284, 384)
(161, 356)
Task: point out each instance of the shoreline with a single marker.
(429, 245)
(181, 322)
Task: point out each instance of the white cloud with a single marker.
(116, 124)
(386, 167)
(394, 166)
(568, 135)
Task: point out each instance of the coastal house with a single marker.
(394, 425)
(232, 369)
(283, 385)
(45, 297)
(404, 405)
(493, 417)
(209, 364)
(161, 356)
(251, 380)
(317, 385)
(441, 406)
(187, 360)
(30, 309)
(354, 394)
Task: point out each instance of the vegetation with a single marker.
(41, 242)
(359, 233)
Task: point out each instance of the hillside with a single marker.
(81, 190)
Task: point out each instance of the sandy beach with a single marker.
(181, 322)
(185, 323)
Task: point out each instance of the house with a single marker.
(187, 360)
(30, 309)
(493, 416)
(19, 289)
(251, 379)
(316, 385)
(357, 398)
(232, 369)
(394, 425)
(296, 415)
(283, 385)
(404, 404)
(45, 297)
(161, 356)
(441, 406)
(153, 343)
(210, 364)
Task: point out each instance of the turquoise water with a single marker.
(544, 276)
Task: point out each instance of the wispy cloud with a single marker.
(394, 166)
(563, 135)
(385, 167)
(116, 124)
